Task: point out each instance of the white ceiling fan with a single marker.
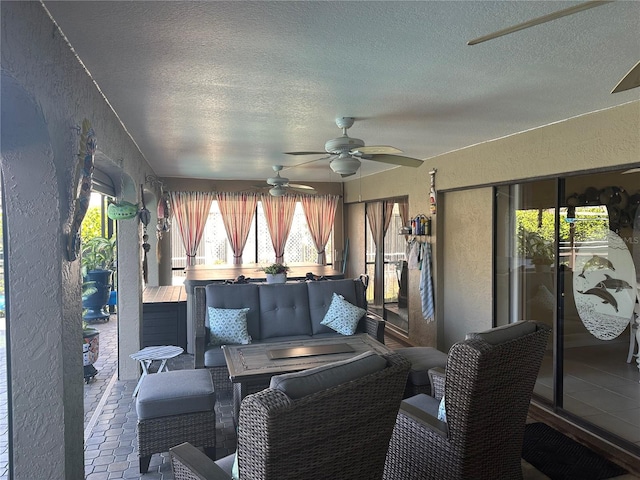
(279, 185)
(346, 152)
(629, 81)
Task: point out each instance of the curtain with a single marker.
(278, 212)
(191, 210)
(375, 216)
(237, 211)
(320, 211)
(403, 207)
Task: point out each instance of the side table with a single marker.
(148, 354)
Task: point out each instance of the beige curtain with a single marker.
(191, 210)
(278, 212)
(320, 211)
(237, 210)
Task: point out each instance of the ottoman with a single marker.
(175, 407)
(422, 359)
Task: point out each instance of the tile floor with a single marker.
(110, 420)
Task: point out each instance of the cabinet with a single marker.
(164, 316)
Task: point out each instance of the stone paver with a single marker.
(111, 450)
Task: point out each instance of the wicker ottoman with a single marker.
(175, 407)
(421, 359)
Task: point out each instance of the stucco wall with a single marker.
(600, 140)
(46, 94)
(466, 253)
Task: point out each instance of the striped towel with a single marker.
(426, 284)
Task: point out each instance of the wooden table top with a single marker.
(249, 362)
(297, 271)
(164, 294)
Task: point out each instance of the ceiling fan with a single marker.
(629, 81)
(279, 185)
(346, 152)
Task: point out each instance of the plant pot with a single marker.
(90, 351)
(95, 304)
(276, 277)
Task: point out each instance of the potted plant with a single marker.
(90, 339)
(276, 273)
(98, 260)
(539, 250)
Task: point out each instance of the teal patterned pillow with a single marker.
(342, 316)
(228, 326)
(442, 411)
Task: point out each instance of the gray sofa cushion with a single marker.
(284, 310)
(214, 357)
(425, 403)
(236, 296)
(175, 393)
(299, 384)
(422, 359)
(320, 297)
(504, 333)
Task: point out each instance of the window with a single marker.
(214, 247)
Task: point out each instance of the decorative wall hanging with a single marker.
(122, 210)
(432, 192)
(83, 194)
(145, 217)
(164, 215)
(621, 207)
(163, 208)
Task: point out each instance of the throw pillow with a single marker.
(235, 470)
(228, 326)
(342, 316)
(442, 411)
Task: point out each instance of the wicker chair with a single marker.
(487, 388)
(338, 432)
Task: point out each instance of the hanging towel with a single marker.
(426, 284)
(413, 262)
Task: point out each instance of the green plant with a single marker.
(540, 250)
(276, 268)
(98, 253)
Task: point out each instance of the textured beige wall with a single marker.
(600, 140)
(465, 252)
(46, 93)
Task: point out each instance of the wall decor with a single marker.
(122, 210)
(83, 194)
(432, 192)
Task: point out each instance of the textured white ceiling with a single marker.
(220, 89)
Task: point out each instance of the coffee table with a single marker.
(252, 366)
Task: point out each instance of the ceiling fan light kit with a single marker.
(345, 152)
(281, 184)
(345, 164)
(277, 191)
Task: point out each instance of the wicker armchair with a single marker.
(338, 432)
(487, 388)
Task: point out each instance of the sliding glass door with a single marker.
(386, 261)
(568, 255)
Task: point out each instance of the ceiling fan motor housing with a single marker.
(342, 144)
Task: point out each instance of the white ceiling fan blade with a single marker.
(308, 162)
(377, 150)
(629, 81)
(539, 20)
(304, 153)
(298, 186)
(632, 170)
(303, 189)
(395, 160)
